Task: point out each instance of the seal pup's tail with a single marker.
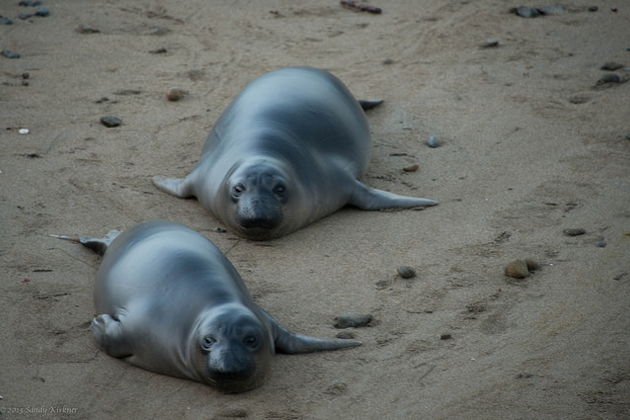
(98, 245)
(288, 342)
(369, 103)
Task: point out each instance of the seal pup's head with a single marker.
(231, 348)
(259, 193)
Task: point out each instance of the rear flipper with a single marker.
(370, 103)
(109, 335)
(98, 245)
(368, 198)
(179, 187)
(289, 342)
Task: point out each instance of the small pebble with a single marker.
(352, 320)
(30, 3)
(10, 54)
(388, 61)
(490, 43)
(446, 336)
(611, 66)
(406, 272)
(346, 335)
(574, 231)
(526, 12)
(159, 51)
(26, 75)
(82, 29)
(24, 16)
(110, 121)
(42, 12)
(593, 9)
(411, 168)
(433, 142)
(5, 21)
(174, 95)
(517, 269)
(24, 131)
(601, 244)
(218, 230)
(609, 78)
(627, 136)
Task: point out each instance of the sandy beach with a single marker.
(532, 143)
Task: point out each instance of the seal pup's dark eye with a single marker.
(207, 343)
(238, 189)
(250, 341)
(279, 189)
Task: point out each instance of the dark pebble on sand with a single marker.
(82, 29)
(526, 12)
(5, 21)
(446, 336)
(517, 269)
(593, 9)
(26, 75)
(490, 43)
(218, 230)
(25, 16)
(110, 121)
(601, 244)
(159, 51)
(30, 3)
(411, 168)
(406, 272)
(609, 78)
(175, 95)
(42, 12)
(627, 136)
(352, 320)
(531, 265)
(574, 231)
(433, 142)
(611, 66)
(10, 54)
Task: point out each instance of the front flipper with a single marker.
(179, 187)
(368, 198)
(98, 245)
(289, 342)
(370, 103)
(109, 335)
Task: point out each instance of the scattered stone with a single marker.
(5, 21)
(127, 92)
(411, 168)
(601, 244)
(579, 99)
(30, 3)
(24, 16)
(574, 231)
(159, 51)
(433, 142)
(42, 12)
(406, 272)
(531, 265)
(351, 4)
(526, 12)
(346, 335)
(158, 31)
(352, 320)
(593, 9)
(524, 375)
(174, 95)
(26, 75)
(110, 121)
(490, 43)
(83, 29)
(446, 336)
(101, 100)
(609, 78)
(388, 61)
(218, 230)
(337, 388)
(517, 269)
(10, 54)
(611, 66)
(627, 136)
(24, 131)
(476, 307)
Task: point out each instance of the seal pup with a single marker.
(170, 302)
(290, 149)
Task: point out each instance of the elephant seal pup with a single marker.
(170, 302)
(289, 150)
